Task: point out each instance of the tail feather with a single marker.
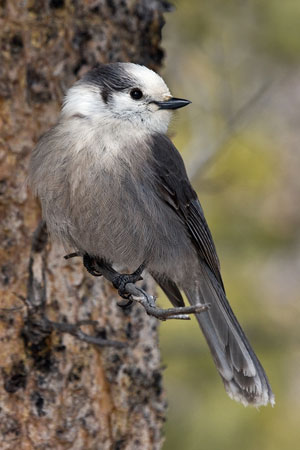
(243, 376)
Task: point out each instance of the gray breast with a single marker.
(116, 214)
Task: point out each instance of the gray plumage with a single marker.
(112, 185)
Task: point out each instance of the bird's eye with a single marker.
(136, 94)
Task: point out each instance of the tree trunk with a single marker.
(58, 392)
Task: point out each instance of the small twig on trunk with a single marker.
(75, 330)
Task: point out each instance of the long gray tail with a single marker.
(242, 374)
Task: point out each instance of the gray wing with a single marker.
(176, 190)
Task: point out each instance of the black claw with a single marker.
(89, 264)
(72, 255)
(125, 304)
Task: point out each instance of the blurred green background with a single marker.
(238, 61)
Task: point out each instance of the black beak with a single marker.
(173, 103)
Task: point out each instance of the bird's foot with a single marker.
(98, 267)
(120, 281)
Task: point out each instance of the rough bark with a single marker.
(57, 392)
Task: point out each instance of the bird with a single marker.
(113, 186)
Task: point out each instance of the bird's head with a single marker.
(123, 93)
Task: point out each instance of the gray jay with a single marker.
(112, 186)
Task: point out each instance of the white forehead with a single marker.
(148, 80)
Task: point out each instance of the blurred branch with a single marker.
(202, 161)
